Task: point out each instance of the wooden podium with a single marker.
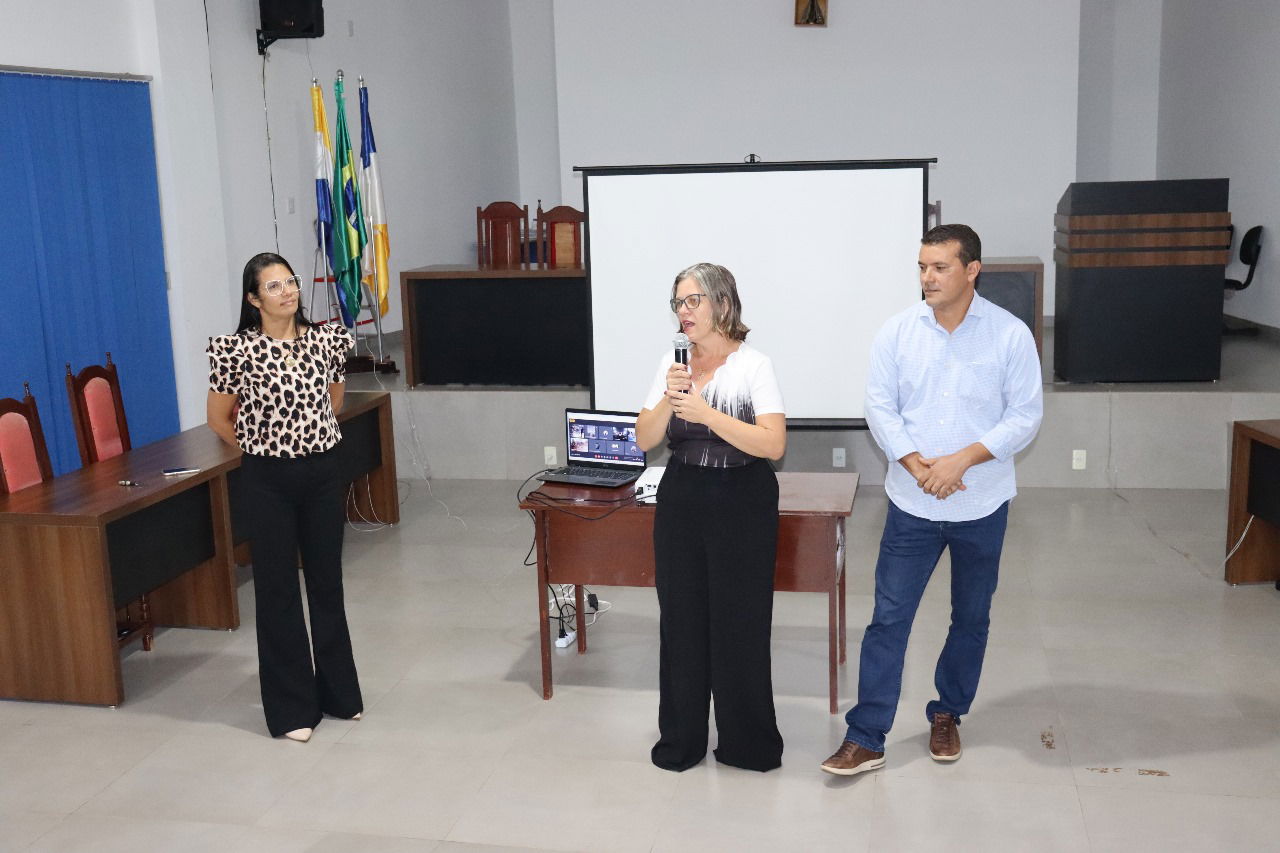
(1140, 266)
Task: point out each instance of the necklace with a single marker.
(289, 345)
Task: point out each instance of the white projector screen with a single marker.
(823, 254)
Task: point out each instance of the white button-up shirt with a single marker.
(937, 392)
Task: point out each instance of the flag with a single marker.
(375, 215)
(349, 235)
(324, 172)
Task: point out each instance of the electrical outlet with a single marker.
(293, 206)
(1077, 460)
(549, 455)
(837, 457)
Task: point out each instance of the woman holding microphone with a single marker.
(274, 389)
(715, 530)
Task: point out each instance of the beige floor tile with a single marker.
(20, 828)
(403, 792)
(113, 834)
(1129, 820)
(624, 799)
(192, 778)
(931, 814)
(57, 769)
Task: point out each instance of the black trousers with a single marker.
(298, 505)
(715, 540)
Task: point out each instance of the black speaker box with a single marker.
(290, 19)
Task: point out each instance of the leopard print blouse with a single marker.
(283, 387)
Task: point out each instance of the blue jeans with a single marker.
(909, 552)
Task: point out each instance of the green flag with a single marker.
(349, 232)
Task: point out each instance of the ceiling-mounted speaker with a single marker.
(289, 19)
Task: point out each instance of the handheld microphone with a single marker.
(681, 344)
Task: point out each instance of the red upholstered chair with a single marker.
(97, 410)
(24, 456)
(502, 234)
(559, 237)
(102, 431)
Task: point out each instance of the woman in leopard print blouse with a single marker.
(274, 388)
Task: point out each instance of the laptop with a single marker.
(600, 448)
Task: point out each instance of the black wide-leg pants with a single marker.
(715, 542)
(297, 506)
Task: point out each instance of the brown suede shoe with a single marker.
(851, 759)
(944, 738)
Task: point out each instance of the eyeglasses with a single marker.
(693, 300)
(278, 286)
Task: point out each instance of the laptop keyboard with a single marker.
(599, 473)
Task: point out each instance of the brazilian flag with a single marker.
(349, 235)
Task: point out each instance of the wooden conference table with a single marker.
(78, 547)
(616, 549)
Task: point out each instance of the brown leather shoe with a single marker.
(851, 759)
(944, 738)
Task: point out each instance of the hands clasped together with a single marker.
(940, 476)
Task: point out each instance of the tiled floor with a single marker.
(1129, 702)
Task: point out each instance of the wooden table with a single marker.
(1258, 558)
(617, 550)
(78, 547)
(503, 326)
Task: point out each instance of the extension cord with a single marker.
(567, 640)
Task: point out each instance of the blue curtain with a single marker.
(80, 217)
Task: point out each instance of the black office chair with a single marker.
(1250, 251)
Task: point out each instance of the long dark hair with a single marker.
(250, 316)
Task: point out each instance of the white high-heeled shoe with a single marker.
(300, 735)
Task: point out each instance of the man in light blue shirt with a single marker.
(954, 392)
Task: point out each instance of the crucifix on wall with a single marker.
(811, 13)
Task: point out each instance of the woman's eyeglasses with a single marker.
(278, 286)
(693, 300)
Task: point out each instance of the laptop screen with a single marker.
(602, 438)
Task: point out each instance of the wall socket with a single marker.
(837, 457)
(1077, 460)
(549, 455)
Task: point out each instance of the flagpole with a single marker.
(373, 301)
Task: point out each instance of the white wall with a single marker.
(442, 104)
(1119, 90)
(165, 40)
(1220, 118)
(72, 35)
(533, 66)
(990, 88)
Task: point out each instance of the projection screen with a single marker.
(823, 253)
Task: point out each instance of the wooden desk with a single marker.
(496, 326)
(76, 548)
(618, 550)
(1258, 558)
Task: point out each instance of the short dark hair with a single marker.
(250, 316)
(970, 242)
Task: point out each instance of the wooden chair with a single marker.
(24, 456)
(559, 237)
(97, 410)
(502, 235)
(102, 432)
